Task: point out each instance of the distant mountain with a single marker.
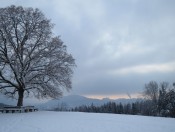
(72, 101)
(3, 105)
(5, 100)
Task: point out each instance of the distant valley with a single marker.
(72, 101)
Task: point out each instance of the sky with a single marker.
(118, 45)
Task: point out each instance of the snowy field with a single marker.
(46, 121)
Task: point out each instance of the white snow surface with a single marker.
(48, 121)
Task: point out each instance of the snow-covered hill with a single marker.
(76, 100)
(47, 121)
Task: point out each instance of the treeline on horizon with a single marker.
(159, 100)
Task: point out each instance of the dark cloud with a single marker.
(118, 45)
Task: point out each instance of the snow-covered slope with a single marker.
(76, 100)
(82, 122)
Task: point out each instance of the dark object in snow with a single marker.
(17, 109)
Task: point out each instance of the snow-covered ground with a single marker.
(47, 121)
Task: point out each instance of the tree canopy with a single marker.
(32, 59)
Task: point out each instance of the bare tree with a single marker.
(32, 60)
(151, 91)
(164, 86)
(174, 85)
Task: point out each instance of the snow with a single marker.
(48, 121)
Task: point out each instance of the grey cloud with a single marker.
(107, 35)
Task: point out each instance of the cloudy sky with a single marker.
(119, 45)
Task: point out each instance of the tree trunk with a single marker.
(20, 97)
